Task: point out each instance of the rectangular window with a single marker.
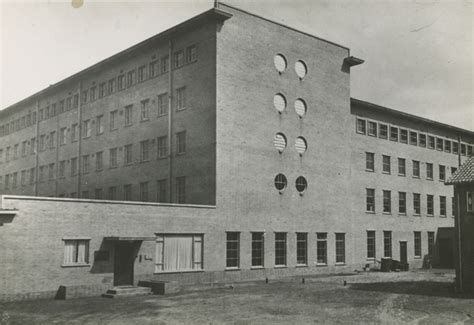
(87, 129)
(23, 150)
(144, 191)
(386, 168)
(32, 175)
(99, 161)
(62, 136)
(121, 82)
(455, 147)
(301, 248)
(393, 133)
(181, 142)
(321, 248)
(113, 120)
(402, 202)
(413, 138)
(127, 192)
(422, 142)
(403, 136)
(165, 64)
(42, 145)
(372, 128)
(51, 171)
(113, 157)
(401, 167)
(62, 168)
(369, 161)
(387, 202)
(141, 73)
(416, 204)
(370, 244)
(7, 182)
(469, 202)
(430, 204)
(257, 249)
(442, 173)
(102, 90)
(85, 164)
(99, 124)
(144, 109)
(177, 253)
(360, 126)
(431, 242)
(447, 145)
(22, 178)
(76, 252)
(92, 96)
(181, 98)
(416, 168)
(233, 250)
(370, 200)
(76, 101)
(387, 244)
(112, 195)
(178, 59)
(162, 104)
(74, 132)
(145, 150)
(429, 171)
(442, 206)
(128, 115)
(98, 194)
(41, 175)
(463, 149)
(431, 142)
(383, 130)
(84, 100)
(417, 244)
(15, 151)
(470, 150)
(181, 189)
(128, 154)
(73, 166)
(130, 78)
(191, 53)
(15, 179)
(280, 249)
(153, 70)
(162, 147)
(162, 191)
(340, 248)
(111, 86)
(439, 144)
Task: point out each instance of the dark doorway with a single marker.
(403, 252)
(123, 262)
(446, 253)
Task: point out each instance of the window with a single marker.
(15, 179)
(84, 100)
(181, 142)
(62, 136)
(416, 204)
(42, 144)
(372, 128)
(469, 202)
(74, 166)
(413, 138)
(178, 59)
(383, 130)
(1, 156)
(191, 53)
(181, 98)
(144, 191)
(393, 133)
(153, 70)
(76, 252)
(74, 133)
(401, 167)
(141, 73)
(145, 150)
(181, 189)
(447, 145)
(387, 244)
(422, 141)
(403, 136)
(162, 192)
(87, 128)
(113, 157)
(113, 120)
(233, 250)
(386, 164)
(98, 194)
(442, 173)
(165, 63)
(32, 175)
(455, 148)
(41, 175)
(51, 171)
(144, 110)
(112, 195)
(22, 178)
(257, 249)
(7, 182)
(470, 150)
(431, 142)
(128, 154)
(430, 204)
(402, 202)
(416, 168)
(439, 144)
(92, 97)
(431, 242)
(85, 164)
(15, 151)
(128, 115)
(463, 149)
(162, 147)
(24, 147)
(340, 248)
(280, 182)
(102, 90)
(99, 124)
(7, 154)
(127, 192)
(301, 184)
(111, 86)
(429, 171)
(301, 248)
(442, 206)
(162, 104)
(121, 82)
(387, 202)
(280, 249)
(321, 248)
(360, 126)
(62, 168)
(369, 161)
(178, 253)
(370, 200)
(130, 78)
(370, 244)
(99, 161)
(417, 244)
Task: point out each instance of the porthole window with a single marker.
(279, 101)
(301, 145)
(280, 182)
(300, 107)
(301, 184)
(279, 141)
(280, 62)
(301, 69)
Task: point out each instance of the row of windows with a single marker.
(280, 104)
(387, 167)
(280, 143)
(387, 244)
(402, 203)
(384, 131)
(281, 183)
(281, 65)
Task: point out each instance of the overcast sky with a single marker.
(419, 54)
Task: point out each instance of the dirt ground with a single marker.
(368, 298)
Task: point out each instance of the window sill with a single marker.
(370, 259)
(174, 272)
(417, 177)
(371, 135)
(443, 216)
(402, 175)
(387, 213)
(232, 269)
(181, 109)
(417, 215)
(145, 120)
(321, 264)
(429, 179)
(417, 257)
(430, 215)
(402, 214)
(386, 173)
(75, 265)
(359, 132)
(281, 266)
(257, 267)
(340, 264)
(113, 167)
(370, 212)
(301, 265)
(370, 170)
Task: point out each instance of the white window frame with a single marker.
(197, 253)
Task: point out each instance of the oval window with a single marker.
(301, 145)
(279, 101)
(279, 141)
(301, 69)
(300, 107)
(280, 182)
(301, 184)
(280, 62)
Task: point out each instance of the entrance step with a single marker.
(127, 291)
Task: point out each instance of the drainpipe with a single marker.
(170, 120)
(459, 244)
(459, 151)
(57, 154)
(36, 148)
(79, 149)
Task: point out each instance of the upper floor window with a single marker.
(360, 126)
(422, 142)
(386, 164)
(280, 62)
(463, 149)
(153, 69)
(181, 142)
(430, 204)
(162, 104)
(121, 81)
(301, 69)
(113, 158)
(128, 115)
(387, 202)
(442, 206)
(370, 200)
(128, 154)
(442, 173)
(416, 168)
(87, 128)
(165, 64)
(144, 109)
(439, 144)
(92, 95)
(191, 53)
(181, 98)
(413, 138)
(99, 124)
(102, 90)
(178, 59)
(141, 73)
(403, 136)
(383, 131)
(162, 146)
(113, 120)
(393, 133)
(429, 171)
(111, 86)
(401, 167)
(372, 128)
(130, 78)
(431, 142)
(369, 161)
(447, 145)
(145, 150)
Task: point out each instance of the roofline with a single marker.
(411, 116)
(211, 13)
(283, 25)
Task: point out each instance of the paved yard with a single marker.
(389, 298)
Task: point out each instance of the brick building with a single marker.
(200, 155)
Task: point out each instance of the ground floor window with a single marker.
(280, 248)
(301, 248)
(178, 253)
(76, 251)
(257, 248)
(321, 248)
(232, 249)
(431, 242)
(387, 244)
(340, 248)
(371, 244)
(417, 235)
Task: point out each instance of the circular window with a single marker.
(280, 62)
(301, 184)
(300, 107)
(279, 141)
(280, 182)
(279, 101)
(301, 69)
(301, 145)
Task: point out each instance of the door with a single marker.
(403, 252)
(123, 263)
(446, 253)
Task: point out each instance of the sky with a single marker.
(418, 53)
